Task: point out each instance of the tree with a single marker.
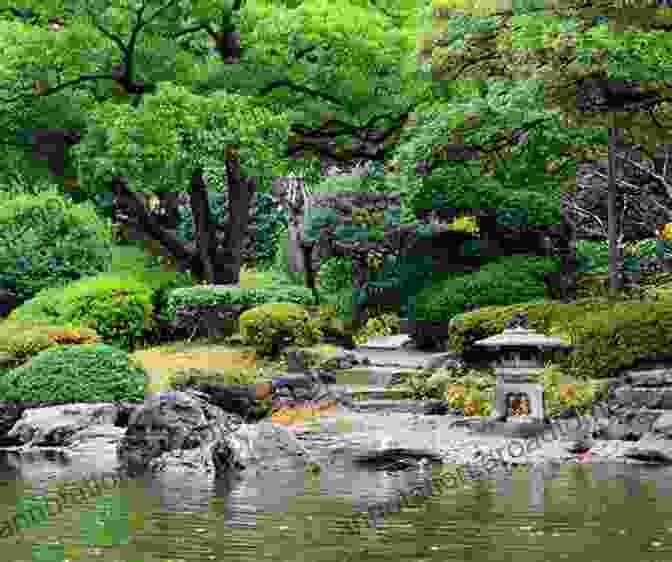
(170, 133)
(589, 68)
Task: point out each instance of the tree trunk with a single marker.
(614, 277)
(207, 262)
(203, 230)
(227, 260)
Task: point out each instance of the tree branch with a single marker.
(298, 88)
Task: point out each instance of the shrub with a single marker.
(46, 240)
(384, 325)
(272, 326)
(335, 275)
(118, 308)
(559, 397)
(24, 339)
(76, 373)
(508, 280)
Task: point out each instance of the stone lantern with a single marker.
(519, 355)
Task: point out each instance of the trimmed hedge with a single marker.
(505, 281)
(608, 335)
(248, 298)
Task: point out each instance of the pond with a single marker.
(552, 512)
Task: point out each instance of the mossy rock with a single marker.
(608, 335)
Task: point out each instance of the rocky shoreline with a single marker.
(188, 432)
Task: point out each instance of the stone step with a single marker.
(385, 342)
(402, 358)
(373, 375)
(368, 392)
(409, 406)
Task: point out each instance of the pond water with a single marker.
(552, 513)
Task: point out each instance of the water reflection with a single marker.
(549, 512)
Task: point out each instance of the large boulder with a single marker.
(61, 426)
(170, 428)
(656, 445)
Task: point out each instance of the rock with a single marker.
(7, 359)
(7, 302)
(663, 425)
(582, 445)
(652, 448)
(449, 360)
(340, 360)
(59, 426)
(436, 408)
(391, 458)
(10, 413)
(296, 361)
(173, 423)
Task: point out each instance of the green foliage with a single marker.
(47, 241)
(342, 301)
(559, 396)
(271, 327)
(247, 297)
(383, 325)
(269, 221)
(597, 252)
(175, 130)
(24, 339)
(335, 275)
(118, 308)
(315, 219)
(506, 281)
(76, 373)
(468, 390)
(647, 247)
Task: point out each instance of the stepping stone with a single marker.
(369, 392)
(385, 342)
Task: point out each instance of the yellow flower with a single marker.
(567, 392)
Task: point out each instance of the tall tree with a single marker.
(589, 68)
(129, 84)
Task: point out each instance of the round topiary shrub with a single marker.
(76, 373)
(270, 327)
(46, 240)
(118, 308)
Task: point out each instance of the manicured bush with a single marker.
(271, 327)
(46, 241)
(76, 373)
(118, 308)
(506, 281)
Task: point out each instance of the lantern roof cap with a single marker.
(521, 337)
